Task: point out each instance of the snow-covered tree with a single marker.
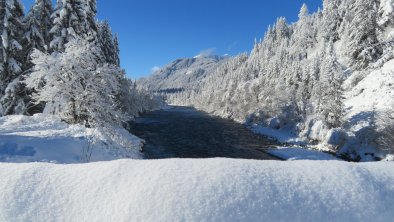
(69, 23)
(304, 12)
(362, 33)
(107, 43)
(386, 10)
(77, 87)
(384, 130)
(304, 35)
(331, 85)
(332, 19)
(11, 57)
(38, 24)
(116, 55)
(91, 12)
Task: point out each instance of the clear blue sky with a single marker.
(155, 32)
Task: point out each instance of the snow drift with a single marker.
(197, 190)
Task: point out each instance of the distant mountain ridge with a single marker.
(182, 73)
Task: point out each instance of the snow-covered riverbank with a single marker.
(45, 138)
(197, 190)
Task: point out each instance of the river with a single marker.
(184, 132)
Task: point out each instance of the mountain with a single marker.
(182, 74)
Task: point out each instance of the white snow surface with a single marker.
(197, 190)
(45, 138)
(375, 91)
(282, 136)
(300, 153)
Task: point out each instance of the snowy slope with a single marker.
(375, 91)
(364, 103)
(198, 190)
(44, 138)
(182, 73)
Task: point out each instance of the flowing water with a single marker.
(184, 132)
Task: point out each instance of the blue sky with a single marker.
(154, 32)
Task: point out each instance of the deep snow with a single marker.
(197, 190)
(45, 138)
(300, 153)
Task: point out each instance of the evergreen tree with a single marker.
(304, 36)
(69, 23)
(91, 12)
(282, 29)
(109, 43)
(332, 19)
(38, 24)
(11, 57)
(106, 42)
(304, 12)
(362, 34)
(116, 58)
(331, 86)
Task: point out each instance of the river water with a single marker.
(184, 132)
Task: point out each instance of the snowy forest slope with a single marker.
(308, 78)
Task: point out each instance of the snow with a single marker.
(373, 95)
(387, 8)
(281, 135)
(376, 90)
(45, 138)
(299, 153)
(389, 158)
(197, 190)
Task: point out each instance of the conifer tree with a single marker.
(91, 12)
(38, 24)
(303, 36)
(362, 34)
(105, 39)
(109, 43)
(116, 51)
(331, 19)
(331, 86)
(11, 57)
(69, 23)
